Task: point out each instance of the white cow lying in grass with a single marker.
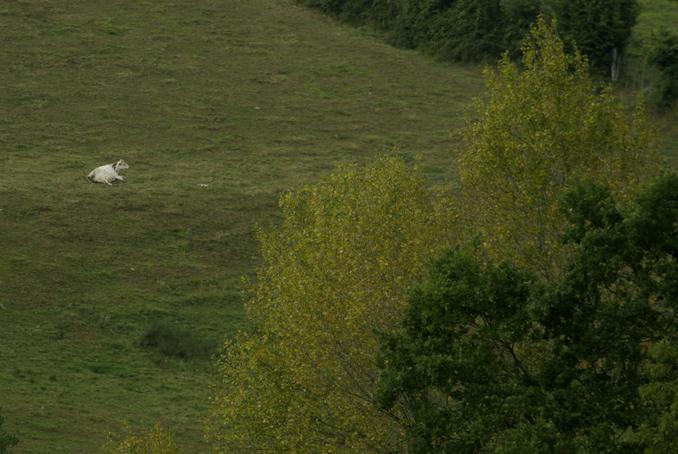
(108, 173)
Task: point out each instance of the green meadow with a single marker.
(218, 107)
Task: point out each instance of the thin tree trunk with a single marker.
(616, 65)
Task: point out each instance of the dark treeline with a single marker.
(479, 30)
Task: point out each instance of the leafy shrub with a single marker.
(463, 30)
(519, 15)
(409, 25)
(346, 9)
(172, 340)
(665, 58)
(600, 29)
(469, 30)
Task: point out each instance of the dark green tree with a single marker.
(601, 29)
(665, 57)
(518, 17)
(473, 30)
(469, 30)
(489, 359)
(454, 366)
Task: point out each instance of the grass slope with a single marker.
(247, 97)
(655, 16)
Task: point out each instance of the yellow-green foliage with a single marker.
(543, 128)
(153, 441)
(334, 274)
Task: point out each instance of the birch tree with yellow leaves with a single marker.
(333, 275)
(545, 126)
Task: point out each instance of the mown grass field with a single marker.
(250, 98)
(218, 107)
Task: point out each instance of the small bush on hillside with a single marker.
(172, 340)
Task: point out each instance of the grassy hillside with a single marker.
(218, 106)
(249, 98)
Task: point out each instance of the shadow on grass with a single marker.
(169, 339)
